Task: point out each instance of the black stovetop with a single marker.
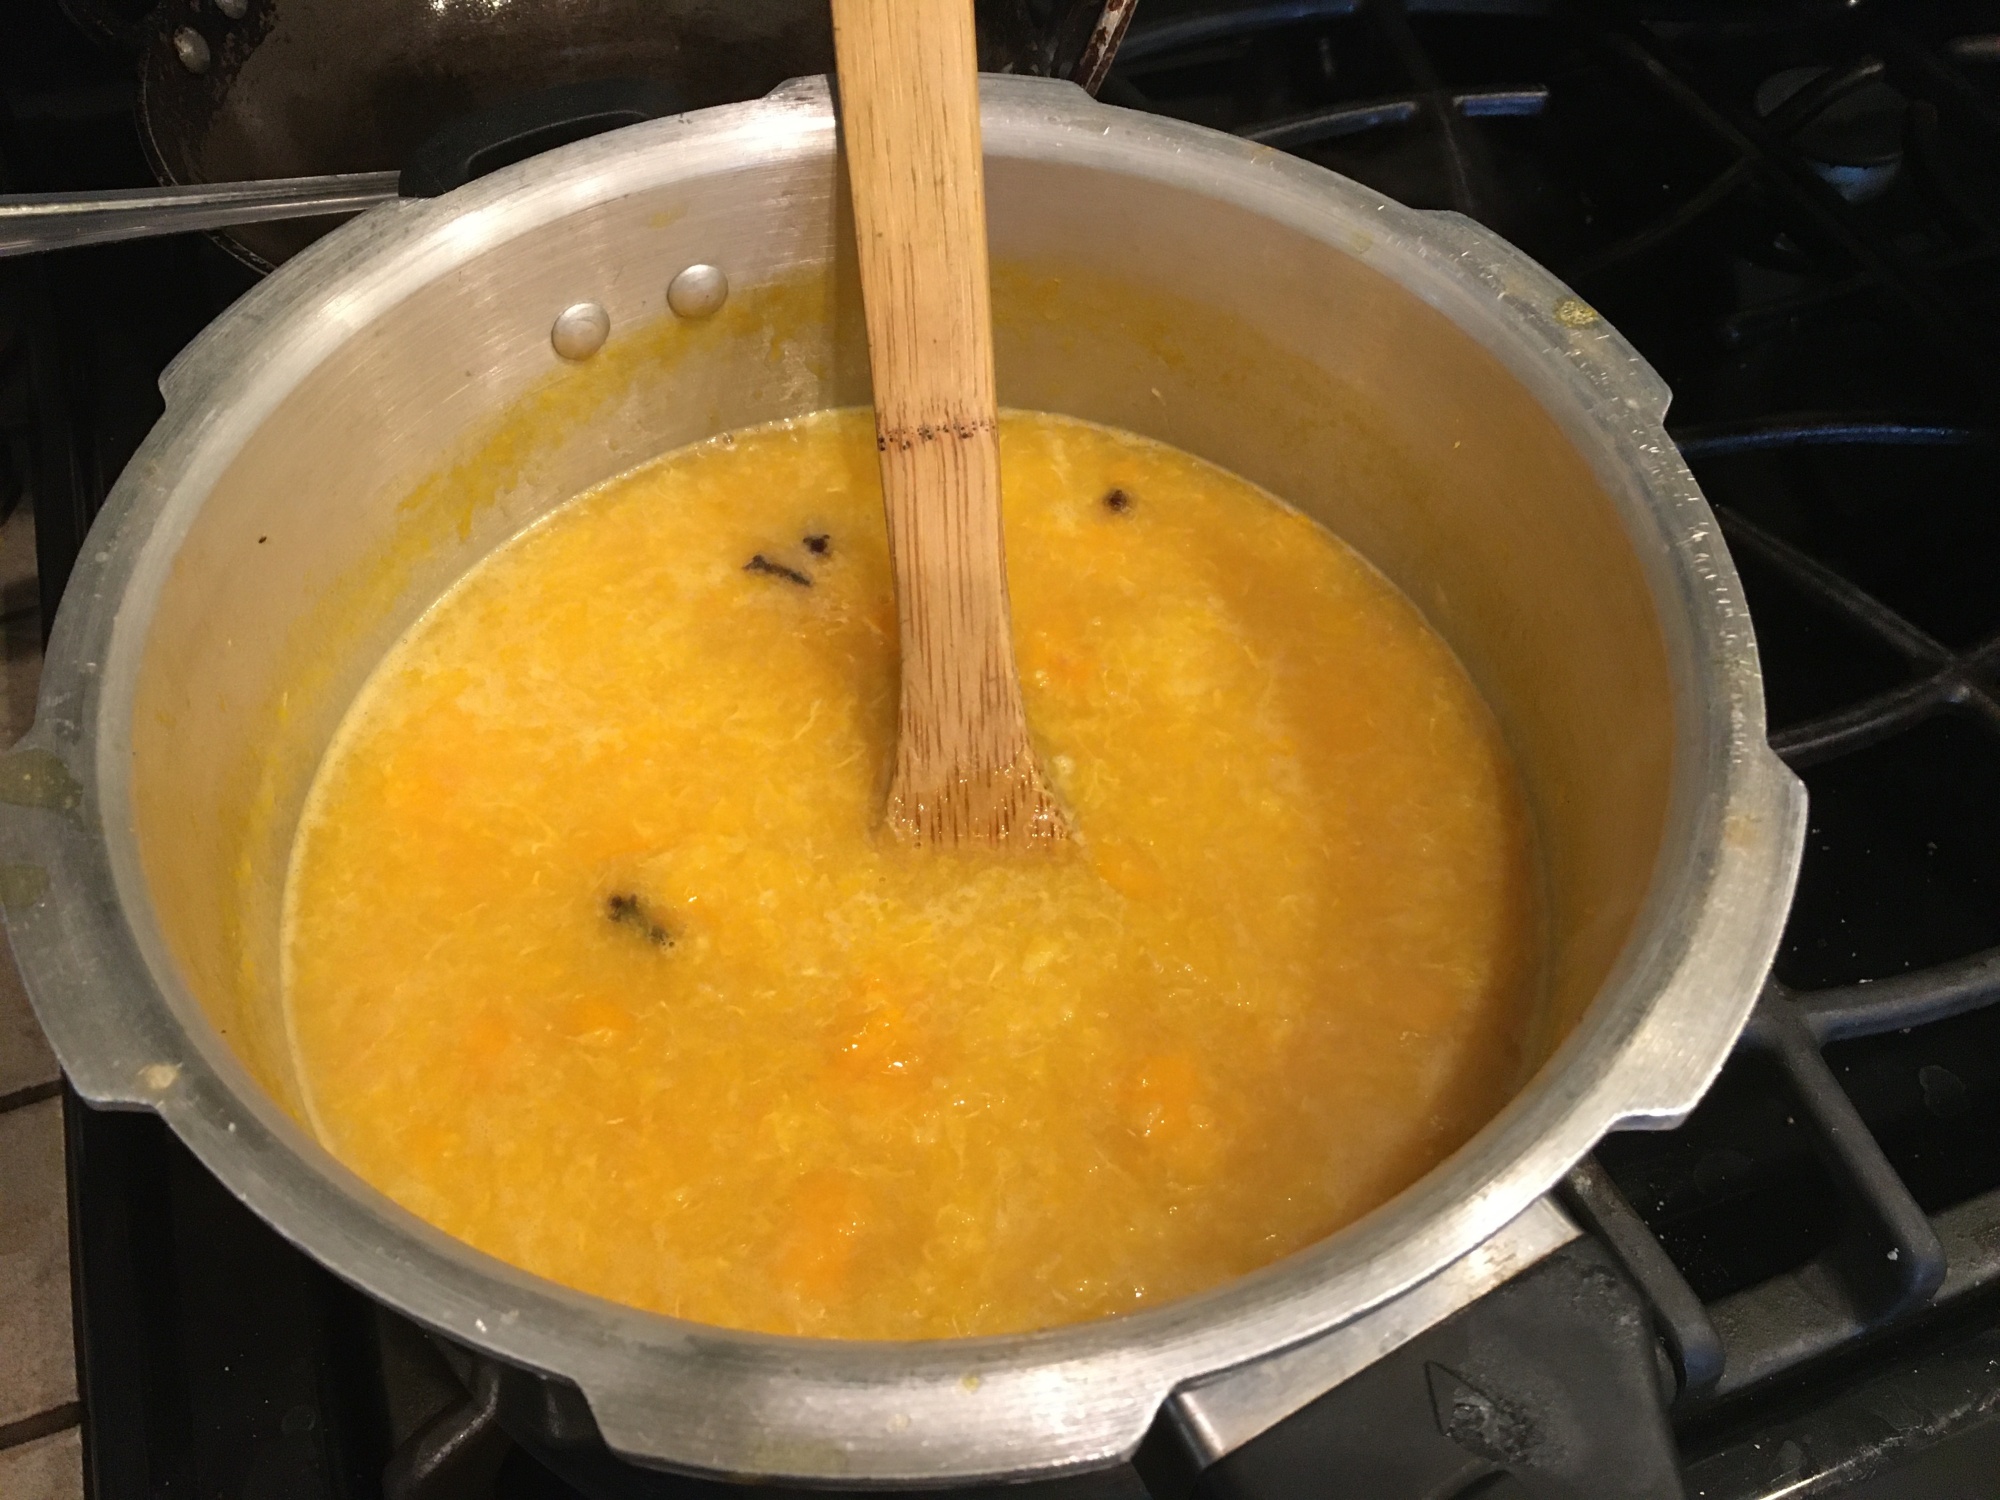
(1794, 211)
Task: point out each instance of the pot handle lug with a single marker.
(1207, 1419)
(1679, 1049)
(72, 954)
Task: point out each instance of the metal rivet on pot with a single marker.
(698, 292)
(580, 330)
(191, 47)
(236, 10)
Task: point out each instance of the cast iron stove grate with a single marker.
(1794, 211)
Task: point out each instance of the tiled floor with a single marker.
(40, 1448)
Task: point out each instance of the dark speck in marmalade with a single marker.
(627, 910)
(762, 564)
(1117, 500)
(819, 544)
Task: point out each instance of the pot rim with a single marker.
(720, 1402)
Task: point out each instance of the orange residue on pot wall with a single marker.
(510, 461)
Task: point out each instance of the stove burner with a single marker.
(1852, 133)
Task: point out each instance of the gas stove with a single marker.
(1793, 209)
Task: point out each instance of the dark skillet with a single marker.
(299, 88)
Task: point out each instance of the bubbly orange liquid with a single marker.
(598, 959)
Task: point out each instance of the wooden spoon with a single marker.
(965, 770)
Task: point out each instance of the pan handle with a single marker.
(468, 147)
(58, 221)
(515, 129)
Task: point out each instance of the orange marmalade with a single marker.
(597, 956)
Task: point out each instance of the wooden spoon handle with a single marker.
(965, 771)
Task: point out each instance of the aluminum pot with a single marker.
(330, 459)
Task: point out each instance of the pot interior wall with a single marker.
(446, 424)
